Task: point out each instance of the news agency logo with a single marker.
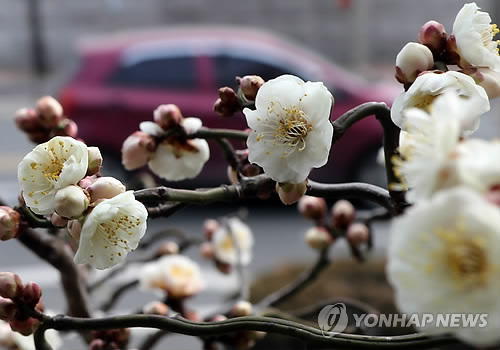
(333, 319)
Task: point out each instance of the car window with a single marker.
(228, 67)
(168, 72)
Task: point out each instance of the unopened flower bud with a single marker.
(155, 308)
(218, 318)
(227, 104)
(26, 120)
(71, 202)
(343, 213)
(11, 285)
(95, 161)
(318, 238)
(167, 116)
(312, 208)
(209, 227)
(87, 181)
(58, 220)
(32, 293)
(249, 85)
(7, 310)
(98, 344)
(50, 112)
(358, 234)
(168, 248)
(242, 308)
(486, 78)
(74, 229)
(433, 35)
(412, 60)
(10, 221)
(25, 327)
(291, 193)
(493, 195)
(104, 188)
(68, 128)
(137, 150)
(207, 250)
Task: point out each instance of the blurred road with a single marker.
(279, 231)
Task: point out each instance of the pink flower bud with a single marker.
(57, 220)
(209, 227)
(168, 248)
(242, 308)
(137, 150)
(291, 193)
(11, 285)
(486, 78)
(312, 208)
(493, 195)
(32, 293)
(26, 120)
(412, 60)
(87, 181)
(249, 85)
(433, 35)
(155, 308)
(358, 234)
(25, 327)
(95, 161)
(74, 229)
(318, 238)
(68, 127)
(50, 112)
(10, 221)
(218, 318)
(227, 104)
(98, 344)
(105, 188)
(207, 250)
(7, 309)
(71, 202)
(343, 213)
(167, 116)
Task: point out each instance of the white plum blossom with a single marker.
(112, 230)
(443, 259)
(474, 34)
(427, 87)
(52, 165)
(177, 275)
(225, 249)
(176, 161)
(292, 132)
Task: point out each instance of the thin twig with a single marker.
(117, 293)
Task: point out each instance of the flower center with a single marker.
(487, 35)
(424, 102)
(292, 130)
(178, 271)
(115, 232)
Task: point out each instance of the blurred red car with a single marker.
(123, 78)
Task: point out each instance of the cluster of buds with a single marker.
(10, 222)
(246, 168)
(112, 339)
(230, 102)
(470, 47)
(15, 297)
(229, 242)
(139, 147)
(45, 121)
(340, 224)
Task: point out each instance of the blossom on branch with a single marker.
(291, 126)
(51, 166)
(176, 275)
(474, 34)
(112, 230)
(427, 87)
(226, 250)
(443, 259)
